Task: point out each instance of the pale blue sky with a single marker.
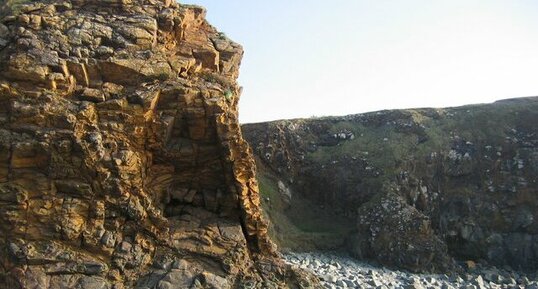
(305, 58)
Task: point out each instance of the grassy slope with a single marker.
(305, 227)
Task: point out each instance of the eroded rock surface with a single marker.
(122, 163)
(418, 187)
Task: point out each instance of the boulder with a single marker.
(396, 234)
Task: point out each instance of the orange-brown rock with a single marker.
(122, 163)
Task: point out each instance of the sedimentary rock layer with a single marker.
(122, 163)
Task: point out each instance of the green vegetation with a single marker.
(385, 146)
(305, 226)
(220, 80)
(228, 94)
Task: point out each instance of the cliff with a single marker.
(122, 163)
(414, 189)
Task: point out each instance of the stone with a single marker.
(350, 283)
(341, 283)
(177, 278)
(374, 282)
(493, 276)
(93, 95)
(22, 67)
(120, 165)
(390, 218)
(471, 265)
(479, 282)
(215, 281)
(414, 286)
(475, 196)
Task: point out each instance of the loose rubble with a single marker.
(338, 271)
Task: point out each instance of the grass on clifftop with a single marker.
(382, 147)
(386, 146)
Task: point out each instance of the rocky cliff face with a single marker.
(416, 187)
(122, 163)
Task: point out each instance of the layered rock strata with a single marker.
(122, 163)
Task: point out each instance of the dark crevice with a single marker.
(252, 240)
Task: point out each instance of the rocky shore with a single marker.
(338, 271)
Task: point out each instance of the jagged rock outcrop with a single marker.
(395, 233)
(418, 186)
(122, 163)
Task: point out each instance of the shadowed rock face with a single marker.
(122, 163)
(418, 187)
